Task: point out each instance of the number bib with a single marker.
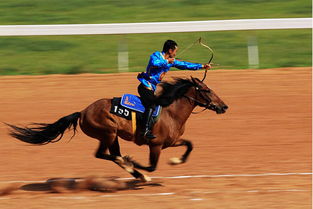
(119, 110)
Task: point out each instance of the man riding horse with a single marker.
(178, 100)
(159, 64)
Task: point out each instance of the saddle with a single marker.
(129, 106)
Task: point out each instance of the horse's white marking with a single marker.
(129, 169)
(175, 161)
(145, 178)
(119, 160)
(193, 176)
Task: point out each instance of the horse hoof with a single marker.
(127, 158)
(119, 160)
(175, 161)
(145, 178)
(128, 161)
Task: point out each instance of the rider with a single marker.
(159, 64)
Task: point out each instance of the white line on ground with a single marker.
(224, 175)
(170, 193)
(188, 195)
(112, 195)
(185, 195)
(193, 176)
(145, 194)
(250, 191)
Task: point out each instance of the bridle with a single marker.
(197, 88)
(206, 106)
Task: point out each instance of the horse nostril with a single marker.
(225, 107)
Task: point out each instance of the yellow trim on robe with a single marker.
(134, 122)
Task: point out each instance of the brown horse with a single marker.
(178, 100)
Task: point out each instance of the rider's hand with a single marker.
(207, 66)
(170, 60)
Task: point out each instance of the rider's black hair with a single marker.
(169, 44)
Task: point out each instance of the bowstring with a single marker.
(184, 50)
(199, 41)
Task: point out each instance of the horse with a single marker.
(178, 100)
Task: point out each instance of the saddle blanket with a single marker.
(133, 113)
(133, 102)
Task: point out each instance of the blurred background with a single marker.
(99, 53)
(267, 129)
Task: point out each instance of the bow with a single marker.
(210, 60)
(199, 41)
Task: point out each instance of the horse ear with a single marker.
(194, 80)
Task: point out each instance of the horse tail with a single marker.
(43, 133)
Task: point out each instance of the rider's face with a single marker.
(172, 52)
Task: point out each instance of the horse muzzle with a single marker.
(218, 109)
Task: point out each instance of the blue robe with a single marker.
(157, 68)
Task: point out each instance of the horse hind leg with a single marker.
(184, 157)
(155, 151)
(116, 157)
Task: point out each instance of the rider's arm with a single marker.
(182, 65)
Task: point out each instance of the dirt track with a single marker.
(266, 130)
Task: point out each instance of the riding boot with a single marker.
(148, 124)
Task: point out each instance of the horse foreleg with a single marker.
(115, 156)
(155, 151)
(183, 159)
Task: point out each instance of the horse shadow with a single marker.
(96, 184)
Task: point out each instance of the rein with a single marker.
(197, 102)
(199, 111)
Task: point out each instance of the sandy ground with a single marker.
(267, 132)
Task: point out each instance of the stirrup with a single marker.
(148, 135)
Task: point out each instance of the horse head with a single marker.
(206, 97)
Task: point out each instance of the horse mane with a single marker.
(173, 91)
